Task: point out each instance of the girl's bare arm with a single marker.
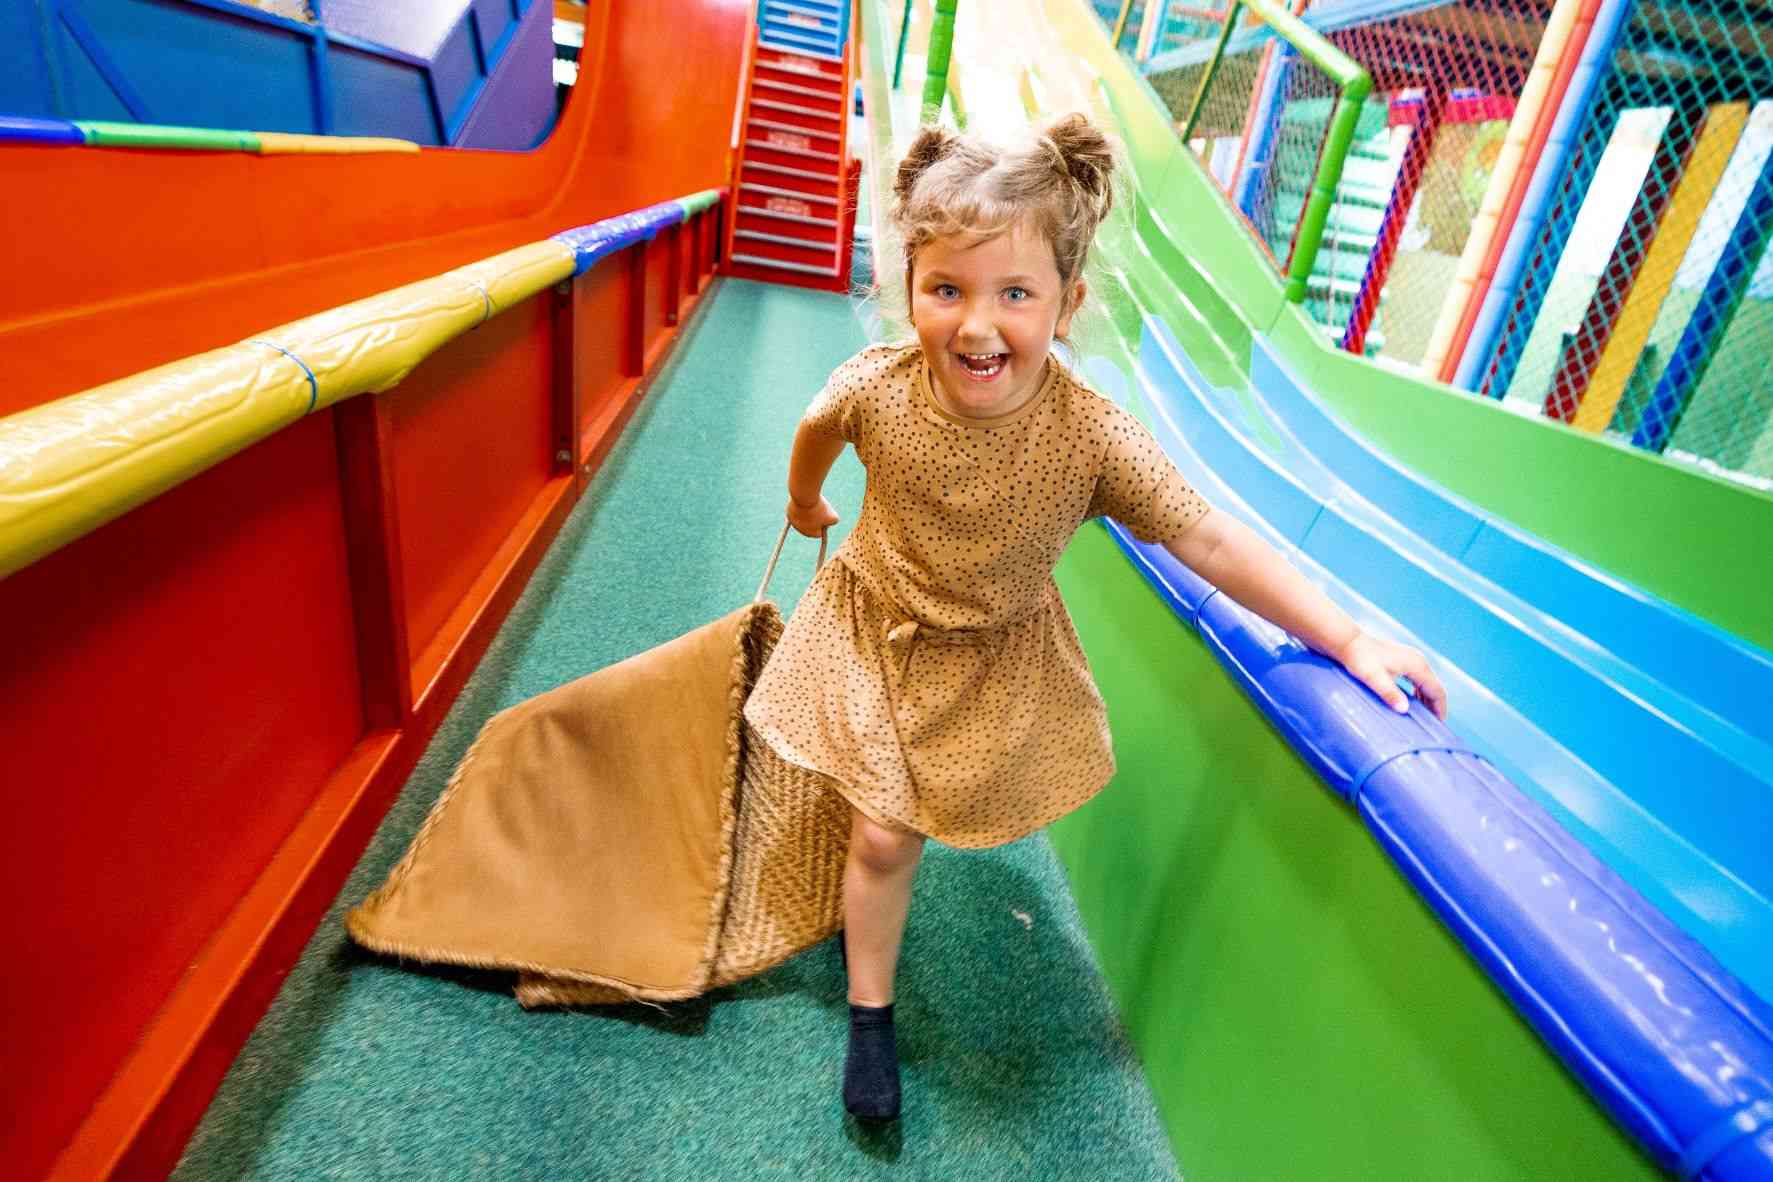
(1229, 554)
(814, 453)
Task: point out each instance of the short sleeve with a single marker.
(1138, 485)
(834, 410)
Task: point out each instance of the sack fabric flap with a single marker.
(587, 835)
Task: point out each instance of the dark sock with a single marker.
(871, 1070)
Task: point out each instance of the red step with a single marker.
(761, 194)
(784, 176)
(785, 224)
(812, 65)
(798, 95)
(764, 126)
(779, 248)
(795, 113)
(819, 83)
(816, 230)
(812, 159)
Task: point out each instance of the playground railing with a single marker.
(1292, 231)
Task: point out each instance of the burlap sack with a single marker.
(624, 837)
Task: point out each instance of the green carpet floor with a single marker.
(1015, 1064)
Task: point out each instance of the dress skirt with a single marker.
(975, 737)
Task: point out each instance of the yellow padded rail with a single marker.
(71, 465)
(278, 143)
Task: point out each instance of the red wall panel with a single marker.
(601, 309)
(175, 685)
(658, 286)
(471, 450)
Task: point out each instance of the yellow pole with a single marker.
(1717, 141)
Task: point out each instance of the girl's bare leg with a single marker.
(876, 900)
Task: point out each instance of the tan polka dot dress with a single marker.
(931, 670)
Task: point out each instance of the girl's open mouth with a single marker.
(982, 366)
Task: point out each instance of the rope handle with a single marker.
(769, 571)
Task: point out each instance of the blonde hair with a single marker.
(1058, 186)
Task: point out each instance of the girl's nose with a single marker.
(977, 325)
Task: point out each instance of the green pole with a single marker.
(904, 32)
(935, 79)
(1323, 186)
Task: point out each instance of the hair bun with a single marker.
(932, 143)
(1084, 154)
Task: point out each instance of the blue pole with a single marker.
(1711, 316)
(1267, 123)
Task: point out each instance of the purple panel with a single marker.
(417, 27)
(494, 17)
(516, 109)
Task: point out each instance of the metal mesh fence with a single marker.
(1186, 24)
(1108, 11)
(1280, 180)
(1646, 309)
(1219, 128)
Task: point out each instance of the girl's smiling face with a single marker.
(986, 311)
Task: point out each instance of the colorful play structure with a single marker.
(1494, 224)
(334, 326)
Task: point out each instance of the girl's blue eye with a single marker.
(1016, 294)
(947, 291)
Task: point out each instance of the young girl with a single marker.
(931, 670)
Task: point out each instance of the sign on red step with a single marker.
(789, 205)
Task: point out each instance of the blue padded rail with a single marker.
(17, 128)
(1674, 1047)
(594, 241)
